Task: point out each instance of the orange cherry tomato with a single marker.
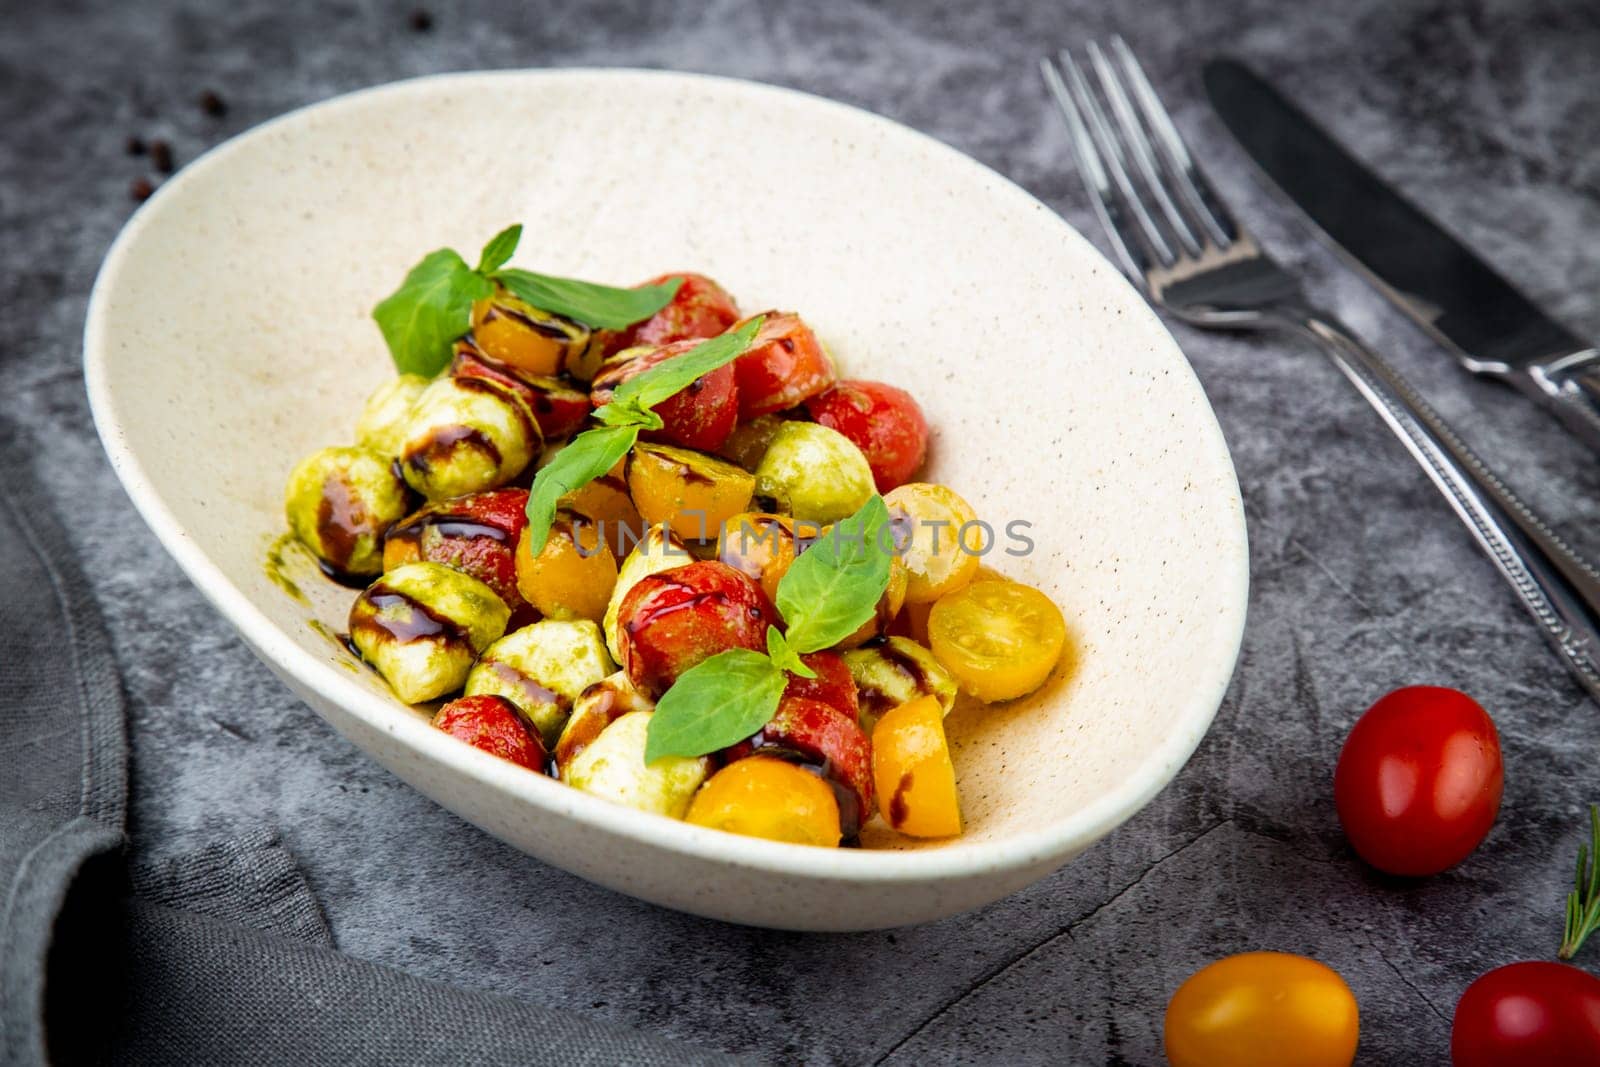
(574, 575)
(531, 340)
(769, 798)
(912, 772)
(1000, 639)
(1263, 1009)
(759, 546)
(691, 493)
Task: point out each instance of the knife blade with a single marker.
(1440, 283)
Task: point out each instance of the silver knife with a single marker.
(1493, 329)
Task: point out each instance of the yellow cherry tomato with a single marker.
(912, 773)
(508, 330)
(769, 798)
(760, 546)
(606, 502)
(573, 577)
(937, 542)
(691, 493)
(999, 639)
(1263, 1009)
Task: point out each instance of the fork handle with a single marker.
(1557, 586)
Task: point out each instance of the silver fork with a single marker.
(1181, 244)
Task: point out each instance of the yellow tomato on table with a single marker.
(1263, 1009)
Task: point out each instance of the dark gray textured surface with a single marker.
(1482, 111)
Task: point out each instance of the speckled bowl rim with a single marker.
(1069, 834)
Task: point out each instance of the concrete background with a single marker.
(1482, 111)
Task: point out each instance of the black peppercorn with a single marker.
(420, 21)
(213, 104)
(141, 189)
(161, 156)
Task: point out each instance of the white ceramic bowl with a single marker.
(229, 334)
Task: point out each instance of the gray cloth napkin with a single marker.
(218, 956)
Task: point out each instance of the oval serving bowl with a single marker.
(229, 334)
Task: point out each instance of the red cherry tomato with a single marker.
(833, 684)
(474, 534)
(673, 620)
(1419, 780)
(882, 421)
(492, 724)
(783, 366)
(700, 308)
(557, 407)
(1528, 1015)
(699, 416)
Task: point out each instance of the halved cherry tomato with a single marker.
(912, 771)
(824, 738)
(671, 621)
(492, 724)
(1263, 1009)
(833, 685)
(572, 578)
(1525, 1014)
(1419, 780)
(607, 503)
(760, 546)
(534, 341)
(474, 534)
(1000, 639)
(783, 366)
(769, 798)
(928, 522)
(700, 308)
(701, 415)
(690, 493)
(881, 420)
(557, 407)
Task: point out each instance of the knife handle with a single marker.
(1558, 587)
(1569, 388)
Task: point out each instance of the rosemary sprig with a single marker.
(1583, 903)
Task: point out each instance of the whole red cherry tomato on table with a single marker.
(1528, 1015)
(1419, 780)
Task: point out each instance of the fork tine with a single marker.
(1105, 141)
(1102, 197)
(1203, 202)
(1139, 147)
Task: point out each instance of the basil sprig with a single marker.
(828, 592)
(594, 452)
(421, 320)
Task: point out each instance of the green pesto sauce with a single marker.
(276, 565)
(348, 661)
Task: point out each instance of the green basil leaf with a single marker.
(588, 456)
(785, 657)
(497, 253)
(678, 373)
(714, 704)
(627, 415)
(433, 306)
(833, 587)
(594, 305)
